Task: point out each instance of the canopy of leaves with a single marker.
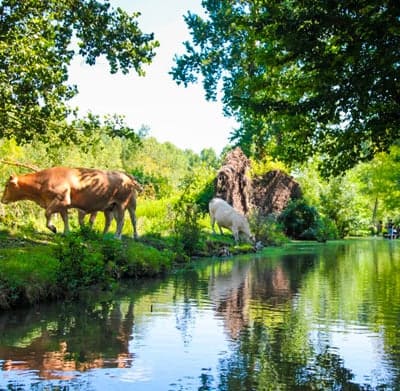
(301, 77)
(380, 180)
(39, 38)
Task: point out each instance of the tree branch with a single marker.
(18, 164)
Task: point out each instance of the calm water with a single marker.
(322, 317)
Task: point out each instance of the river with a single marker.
(312, 317)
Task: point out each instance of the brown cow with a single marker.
(58, 189)
(109, 214)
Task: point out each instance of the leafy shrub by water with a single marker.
(88, 258)
(299, 219)
(195, 192)
(144, 261)
(186, 227)
(326, 230)
(302, 221)
(81, 263)
(267, 229)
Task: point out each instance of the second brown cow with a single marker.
(58, 189)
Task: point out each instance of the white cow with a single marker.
(226, 216)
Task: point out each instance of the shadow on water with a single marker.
(318, 317)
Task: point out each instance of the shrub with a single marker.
(144, 261)
(195, 192)
(266, 229)
(204, 196)
(154, 186)
(112, 249)
(81, 262)
(186, 227)
(326, 230)
(299, 219)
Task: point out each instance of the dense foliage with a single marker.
(302, 78)
(298, 219)
(38, 41)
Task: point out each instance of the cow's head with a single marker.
(11, 190)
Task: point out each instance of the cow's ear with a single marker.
(13, 179)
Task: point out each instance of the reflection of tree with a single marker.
(327, 372)
(186, 292)
(366, 274)
(73, 338)
(270, 284)
(262, 360)
(273, 350)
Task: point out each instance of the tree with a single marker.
(209, 158)
(301, 77)
(380, 181)
(39, 38)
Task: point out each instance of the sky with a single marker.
(172, 113)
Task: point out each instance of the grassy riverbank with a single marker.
(38, 267)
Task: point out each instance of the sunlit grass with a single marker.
(29, 272)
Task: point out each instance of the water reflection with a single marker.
(57, 340)
(320, 317)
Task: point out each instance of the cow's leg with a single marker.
(64, 215)
(108, 216)
(81, 217)
(92, 218)
(235, 233)
(59, 204)
(49, 224)
(119, 215)
(132, 214)
(220, 229)
(212, 223)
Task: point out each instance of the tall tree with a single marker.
(302, 77)
(39, 38)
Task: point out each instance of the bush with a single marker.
(154, 186)
(266, 229)
(187, 229)
(326, 230)
(299, 220)
(82, 261)
(204, 196)
(302, 221)
(144, 261)
(190, 208)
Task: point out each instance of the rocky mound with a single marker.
(269, 193)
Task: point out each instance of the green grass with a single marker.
(27, 275)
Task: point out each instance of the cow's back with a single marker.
(218, 204)
(222, 212)
(93, 190)
(54, 177)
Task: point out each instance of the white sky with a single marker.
(173, 113)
